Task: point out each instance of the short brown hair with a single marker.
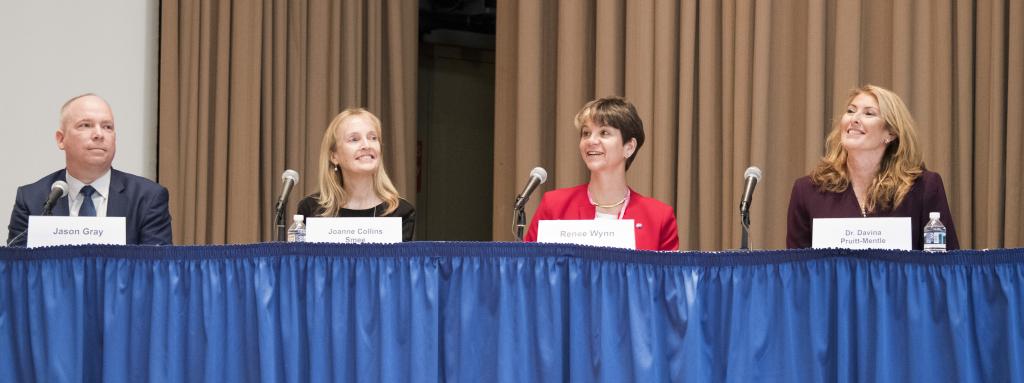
(618, 113)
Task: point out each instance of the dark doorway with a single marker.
(455, 111)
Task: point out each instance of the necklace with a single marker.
(863, 210)
(624, 202)
(621, 201)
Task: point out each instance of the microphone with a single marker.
(58, 190)
(752, 175)
(537, 176)
(290, 178)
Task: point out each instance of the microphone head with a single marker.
(290, 175)
(63, 186)
(753, 171)
(539, 173)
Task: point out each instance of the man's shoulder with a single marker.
(45, 182)
(134, 181)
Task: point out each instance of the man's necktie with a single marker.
(87, 209)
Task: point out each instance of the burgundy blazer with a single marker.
(655, 221)
(807, 203)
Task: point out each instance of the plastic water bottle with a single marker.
(297, 231)
(934, 234)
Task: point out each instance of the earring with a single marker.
(334, 168)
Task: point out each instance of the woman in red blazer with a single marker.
(611, 133)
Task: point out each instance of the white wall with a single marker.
(52, 50)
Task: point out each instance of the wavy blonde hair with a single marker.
(901, 163)
(331, 182)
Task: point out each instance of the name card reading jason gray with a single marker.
(54, 231)
(593, 232)
(862, 233)
(354, 230)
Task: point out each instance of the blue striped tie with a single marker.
(87, 209)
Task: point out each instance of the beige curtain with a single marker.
(247, 89)
(722, 85)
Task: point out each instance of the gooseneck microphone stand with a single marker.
(745, 236)
(279, 219)
(519, 219)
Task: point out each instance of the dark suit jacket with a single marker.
(655, 221)
(142, 202)
(807, 203)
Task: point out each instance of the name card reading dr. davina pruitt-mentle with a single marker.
(862, 233)
(593, 232)
(354, 230)
(55, 231)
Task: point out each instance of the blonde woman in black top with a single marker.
(351, 178)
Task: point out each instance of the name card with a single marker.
(354, 230)
(593, 232)
(862, 233)
(54, 231)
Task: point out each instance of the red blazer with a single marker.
(655, 221)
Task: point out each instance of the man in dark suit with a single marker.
(88, 139)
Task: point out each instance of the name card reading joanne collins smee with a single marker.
(593, 232)
(862, 233)
(54, 231)
(354, 230)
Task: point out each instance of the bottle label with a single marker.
(934, 238)
(935, 241)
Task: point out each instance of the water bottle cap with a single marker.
(299, 217)
(933, 215)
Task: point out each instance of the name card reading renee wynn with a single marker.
(862, 233)
(54, 231)
(354, 230)
(593, 232)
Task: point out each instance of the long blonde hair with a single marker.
(331, 182)
(901, 163)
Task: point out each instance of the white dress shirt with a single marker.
(99, 198)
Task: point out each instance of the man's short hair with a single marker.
(64, 108)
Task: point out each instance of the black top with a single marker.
(310, 207)
(807, 203)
